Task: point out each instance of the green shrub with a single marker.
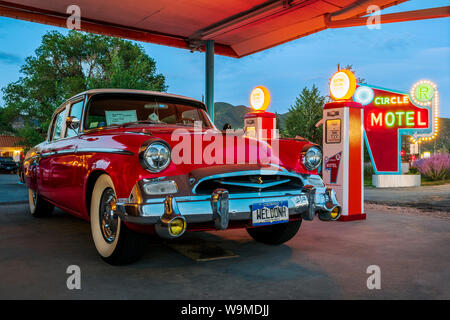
(413, 170)
(368, 170)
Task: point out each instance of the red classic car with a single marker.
(134, 162)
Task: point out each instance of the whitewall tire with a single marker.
(115, 243)
(38, 206)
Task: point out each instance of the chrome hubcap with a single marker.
(107, 215)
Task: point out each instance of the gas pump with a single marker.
(259, 123)
(343, 153)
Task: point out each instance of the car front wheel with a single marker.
(115, 243)
(38, 206)
(275, 234)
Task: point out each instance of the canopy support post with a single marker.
(209, 83)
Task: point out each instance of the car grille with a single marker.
(249, 183)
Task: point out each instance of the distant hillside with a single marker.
(227, 113)
(234, 115)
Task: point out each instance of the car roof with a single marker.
(133, 91)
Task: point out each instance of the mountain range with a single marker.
(234, 115)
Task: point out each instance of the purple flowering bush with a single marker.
(437, 167)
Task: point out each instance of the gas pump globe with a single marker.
(259, 123)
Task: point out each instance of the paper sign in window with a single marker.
(120, 116)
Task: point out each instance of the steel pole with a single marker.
(209, 83)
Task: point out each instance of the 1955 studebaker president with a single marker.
(137, 162)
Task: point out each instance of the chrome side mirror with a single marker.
(72, 122)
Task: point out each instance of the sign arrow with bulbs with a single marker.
(389, 114)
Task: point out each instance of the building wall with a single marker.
(14, 153)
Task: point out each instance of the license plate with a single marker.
(265, 213)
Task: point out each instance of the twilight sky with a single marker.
(394, 57)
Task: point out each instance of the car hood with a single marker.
(206, 147)
(194, 148)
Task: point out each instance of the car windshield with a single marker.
(127, 109)
(6, 159)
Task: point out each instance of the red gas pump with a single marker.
(259, 123)
(343, 146)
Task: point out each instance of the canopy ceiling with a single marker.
(238, 27)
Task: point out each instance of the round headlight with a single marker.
(312, 158)
(156, 156)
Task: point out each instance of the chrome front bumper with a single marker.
(221, 207)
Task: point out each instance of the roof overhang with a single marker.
(239, 28)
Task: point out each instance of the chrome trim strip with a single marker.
(248, 195)
(261, 172)
(139, 133)
(86, 150)
(278, 166)
(105, 150)
(253, 185)
(66, 151)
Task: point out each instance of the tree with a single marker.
(304, 114)
(349, 67)
(441, 144)
(278, 124)
(6, 115)
(64, 65)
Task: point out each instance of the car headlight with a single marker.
(156, 156)
(312, 158)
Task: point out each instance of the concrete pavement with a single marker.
(325, 260)
(425, 198)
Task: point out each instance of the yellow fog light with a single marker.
(177, 226)
(335, 213)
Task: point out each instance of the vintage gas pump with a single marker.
(259, 123)
(343, 153)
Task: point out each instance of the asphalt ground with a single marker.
(326, 260)
(12, 190)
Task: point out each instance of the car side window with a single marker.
(75, 111)
(58, 124)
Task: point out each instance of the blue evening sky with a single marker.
(394, 57)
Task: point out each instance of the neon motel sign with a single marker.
(390, 114)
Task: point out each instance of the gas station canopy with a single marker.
(238, 27)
